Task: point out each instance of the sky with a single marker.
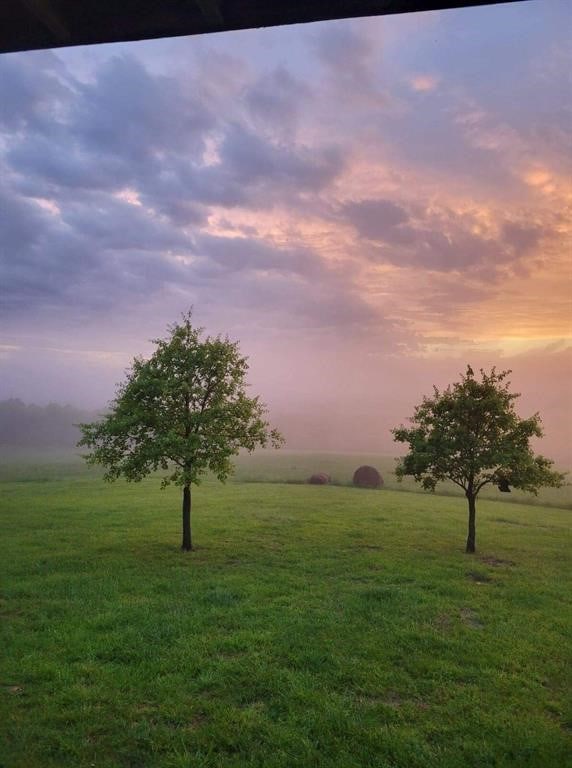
(366, 205)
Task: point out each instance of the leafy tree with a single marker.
(184, 411)
(471, 434)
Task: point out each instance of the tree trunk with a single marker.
(472, 514)
(187, 543)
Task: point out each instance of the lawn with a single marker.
(313, 626)
(296, 467)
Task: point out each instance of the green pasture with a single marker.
(312, 627)
(272, 467)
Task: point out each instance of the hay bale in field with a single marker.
(319, 478)
(367, 477)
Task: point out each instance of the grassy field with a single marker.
(313, 626)
(295, 467)
(275, 467)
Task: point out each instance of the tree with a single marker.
(471, 435)
(185, 411)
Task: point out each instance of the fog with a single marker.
(325, 400)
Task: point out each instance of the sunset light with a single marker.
(391, 193)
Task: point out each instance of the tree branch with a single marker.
(482, 484)
(457, 482)
(208, 393)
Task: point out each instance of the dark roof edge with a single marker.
(37, 24)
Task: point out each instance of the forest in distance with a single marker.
(24, 425)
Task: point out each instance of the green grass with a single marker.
(313, 626)
(283, 466)
(296, 467)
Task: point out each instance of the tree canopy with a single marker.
(471, 434)
(184, 411)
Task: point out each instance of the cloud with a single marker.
(424, 83)
(130, 113)
(250, 161)
(277, 101)
(128, 127)
(441, 239)
(312, 306)
(346, 51)
(123, 170)
(236, 254)
(521, 237)
(98, 252)
(375, 219)
(108, 193)
(290, 287)
(109, 223)
(350, 60)
(34, 88)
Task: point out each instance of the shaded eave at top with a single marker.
(33, 24)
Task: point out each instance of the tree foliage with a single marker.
(184, 411)
(471, 434)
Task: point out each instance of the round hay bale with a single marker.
(319, 478)
(367, 477)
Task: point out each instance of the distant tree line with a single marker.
(34, 426)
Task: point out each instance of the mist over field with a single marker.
(323, 425)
